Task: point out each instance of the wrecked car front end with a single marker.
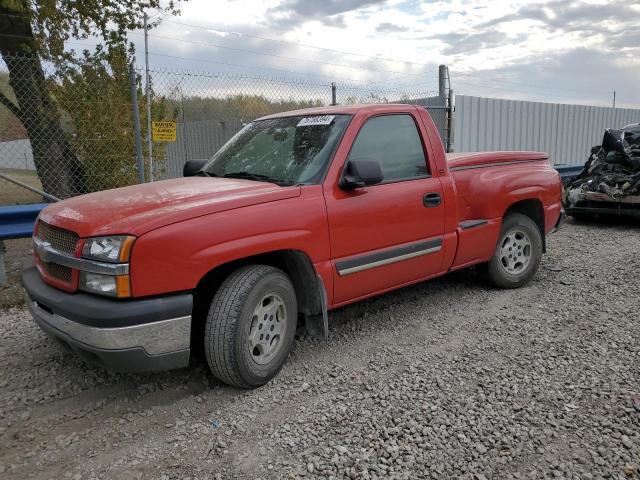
(609, 184)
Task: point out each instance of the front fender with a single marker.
(175, 257)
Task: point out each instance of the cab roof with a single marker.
(346, 110)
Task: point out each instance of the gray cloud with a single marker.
(568, 15)
(578, 76)
(470, 42)
(311, 8)
(387, 27)
(239, 55)
(585, 75)
(614, 24)
(627, 38)
(292, 12)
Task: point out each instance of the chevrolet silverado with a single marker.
(299, 213)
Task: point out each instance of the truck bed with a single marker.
(461, 161)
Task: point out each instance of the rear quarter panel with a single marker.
(487, 193)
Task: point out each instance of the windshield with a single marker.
(285, 150)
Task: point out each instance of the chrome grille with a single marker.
(60, 239)
(57, 271)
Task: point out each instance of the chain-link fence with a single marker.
(72, 129)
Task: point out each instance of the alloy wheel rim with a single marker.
(515, 251)
(267, 328)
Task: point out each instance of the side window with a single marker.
(394, 141)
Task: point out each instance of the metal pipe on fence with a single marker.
(442, 82)
(148, 87)
(29, 187)
(451, 108)
(136, 124)
(333, 93)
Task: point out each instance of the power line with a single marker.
(256, 52)
(348, 87)
(252, 52)
(254, 67)
(298, 44)
(494, 87)
(16, 15)
(10, 35)
(502, 80)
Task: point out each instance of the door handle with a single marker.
(431, 200)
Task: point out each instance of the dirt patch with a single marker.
(12, 194)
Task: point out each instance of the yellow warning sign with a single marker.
(163, 131)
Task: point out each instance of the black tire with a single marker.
(496, 271)
(230, 319)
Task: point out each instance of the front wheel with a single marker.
(250, 326)
(517, 255)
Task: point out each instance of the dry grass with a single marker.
(12, 194)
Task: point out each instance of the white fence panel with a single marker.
(566, 132)
(16, 154)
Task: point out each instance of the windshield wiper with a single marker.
(252, 176)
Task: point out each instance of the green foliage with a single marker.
(53, 22)
(89, 93)
(242, 107)
(94, 96)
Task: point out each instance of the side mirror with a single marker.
(360, 173)
(192, 167)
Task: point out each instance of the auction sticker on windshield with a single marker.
(316, 120)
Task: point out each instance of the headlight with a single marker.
(108, 249)
(110, 285)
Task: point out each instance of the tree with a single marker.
(36, 30)
(240, 106)
(101, 131)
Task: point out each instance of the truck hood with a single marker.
(141, 208)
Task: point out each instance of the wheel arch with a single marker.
(532, 208)
(308, 285)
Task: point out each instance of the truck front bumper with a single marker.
(123, 335)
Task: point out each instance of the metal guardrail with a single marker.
(16, 221)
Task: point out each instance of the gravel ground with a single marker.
(447, 379)
(17, 252)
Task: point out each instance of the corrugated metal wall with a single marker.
(566, 132)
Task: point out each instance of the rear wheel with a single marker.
(250, 326)
(518, 253)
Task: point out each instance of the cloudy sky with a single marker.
(558, 51)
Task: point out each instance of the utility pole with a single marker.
(148, 88)
(614, 99)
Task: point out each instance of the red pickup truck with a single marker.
(299, 213)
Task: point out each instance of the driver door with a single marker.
(388, 234)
